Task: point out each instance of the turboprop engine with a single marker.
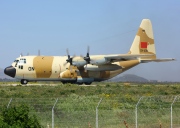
(79, 62)
(98, 61)
(107, 67)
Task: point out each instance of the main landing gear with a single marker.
(87, 83)
(79, 83)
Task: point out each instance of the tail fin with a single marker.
(144, 40)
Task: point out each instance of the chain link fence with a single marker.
(105, 111)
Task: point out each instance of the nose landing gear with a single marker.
(24, 81)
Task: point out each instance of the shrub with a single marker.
(18, 117)
(108, 85)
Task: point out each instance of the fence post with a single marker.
(136, 113)
(53, 113)
(171, 111)
(9, 103)
(97, 112)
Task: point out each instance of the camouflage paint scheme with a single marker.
(34, 68)
(52, 68)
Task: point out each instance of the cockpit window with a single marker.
(16, 62)
(22, 61)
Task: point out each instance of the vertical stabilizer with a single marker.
(144, 40)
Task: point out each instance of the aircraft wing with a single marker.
(125, 57)
(158, 60)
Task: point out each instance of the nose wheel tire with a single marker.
(23, 81)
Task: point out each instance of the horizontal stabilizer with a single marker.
(157, 60)
(126, 57)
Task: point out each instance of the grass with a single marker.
(77, 104)
(102, 89)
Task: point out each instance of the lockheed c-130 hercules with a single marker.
(79, 70)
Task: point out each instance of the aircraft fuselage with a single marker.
(52, 68)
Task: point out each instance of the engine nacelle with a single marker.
(98, 61)
(107, 67)
(79, 63)
(94, 61)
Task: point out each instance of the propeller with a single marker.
(69, 59)
(87, 58)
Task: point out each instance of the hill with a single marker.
(2, 75)
(128, 78)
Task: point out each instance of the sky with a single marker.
(107, 26)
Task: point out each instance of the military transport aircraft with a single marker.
(79, 70)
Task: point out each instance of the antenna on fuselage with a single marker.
(21, 55)
(39, 53)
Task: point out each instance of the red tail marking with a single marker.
(144, 44)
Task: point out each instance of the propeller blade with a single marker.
(87, 57)
(65, 63)
(81, 56)
(67, 51)
(88, 48)
(69, 59)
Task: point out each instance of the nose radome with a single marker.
(10, 71)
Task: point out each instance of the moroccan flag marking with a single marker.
(144, 44)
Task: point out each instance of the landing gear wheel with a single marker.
(87, 83)
(79, 83)
(23, 81)
(63, 82)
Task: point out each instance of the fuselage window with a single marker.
(20, 66)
